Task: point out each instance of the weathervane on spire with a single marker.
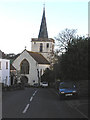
(25, 47)
(44, 5)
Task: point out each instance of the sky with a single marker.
(20, 21)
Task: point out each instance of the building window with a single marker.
(0, 65)
(24, 67)
(6, 65)
(38, 73)
(47, 45)
(6, 80)
(41, 47)
(41, 72)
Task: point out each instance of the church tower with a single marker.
(43, 44)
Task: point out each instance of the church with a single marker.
(32, 64)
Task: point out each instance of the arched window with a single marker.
(41, 47)
(24, 67)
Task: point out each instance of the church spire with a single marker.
(43, 28)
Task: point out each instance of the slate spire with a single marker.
(43, 27)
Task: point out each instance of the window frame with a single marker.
(6, 65)
(24, 69)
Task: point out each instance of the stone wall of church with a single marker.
(46, 46)
(33, 75)
(42, 68)
(47, 49)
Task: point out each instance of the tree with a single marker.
(64, 38)
(74, 63)
(48, 76)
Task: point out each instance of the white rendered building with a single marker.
(5, 71)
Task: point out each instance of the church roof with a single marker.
(38, 57)
(43, 28)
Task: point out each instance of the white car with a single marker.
(44, 84)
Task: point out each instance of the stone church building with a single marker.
(32, 64)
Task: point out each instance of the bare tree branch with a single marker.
(65, 37)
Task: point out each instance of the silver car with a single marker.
(44, 84)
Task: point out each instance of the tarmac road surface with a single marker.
(38, 103)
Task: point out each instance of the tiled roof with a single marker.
(43, 40)
(38, 57)
(2, 55)
(7, 56)
(13, 58)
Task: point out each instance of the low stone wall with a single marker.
(13, 87)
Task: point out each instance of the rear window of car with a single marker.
(67, 85)
(44, 82)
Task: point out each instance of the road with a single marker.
(38, 103)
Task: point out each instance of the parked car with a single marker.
(67, 89)
(44, 84)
